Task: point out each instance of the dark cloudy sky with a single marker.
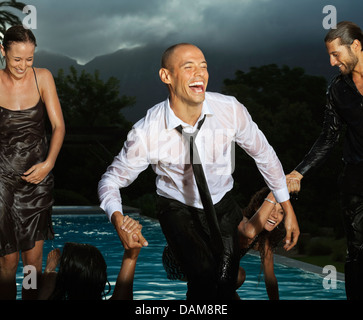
(84, 29)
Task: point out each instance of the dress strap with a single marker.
(36, 82)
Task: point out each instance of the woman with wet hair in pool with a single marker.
(82, 270)
(27, 97)
(258, 230)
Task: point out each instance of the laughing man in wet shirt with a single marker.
(155, 140)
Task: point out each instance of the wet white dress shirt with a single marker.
(154, 141)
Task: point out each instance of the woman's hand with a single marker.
(37, 173)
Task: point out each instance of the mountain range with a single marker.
(137, 70)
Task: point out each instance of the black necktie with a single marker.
(203, 189)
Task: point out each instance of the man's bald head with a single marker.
(168, 53)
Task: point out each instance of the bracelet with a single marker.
(268, 200)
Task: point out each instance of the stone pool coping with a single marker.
(290, 262)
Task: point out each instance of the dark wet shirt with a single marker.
(344, 107)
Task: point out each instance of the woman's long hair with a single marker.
(276, 235)
(82, 273)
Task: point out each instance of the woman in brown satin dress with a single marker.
(27, 95)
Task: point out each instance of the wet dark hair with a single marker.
(276, 235)
(18, 34)
(82, 273)
(347, 32)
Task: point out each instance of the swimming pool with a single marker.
(150, 278)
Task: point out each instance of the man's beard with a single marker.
(349, 65)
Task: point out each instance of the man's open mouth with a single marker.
(197, 86)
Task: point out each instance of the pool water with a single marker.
(151, 282)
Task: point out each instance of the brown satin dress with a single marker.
(25, 208)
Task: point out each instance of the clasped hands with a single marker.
(292, 228)
(293, 181)
(129, 231)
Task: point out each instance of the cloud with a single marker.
(85, 29)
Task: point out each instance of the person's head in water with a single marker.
(82, 273)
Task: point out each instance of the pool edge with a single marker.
(289, 262)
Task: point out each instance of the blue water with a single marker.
(150, 278)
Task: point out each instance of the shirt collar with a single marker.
(172, 121)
